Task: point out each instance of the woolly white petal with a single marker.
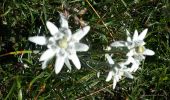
(118, 44)
(131, 52)
(135, 66)
(128, 36)
(51, 43)
(68, 33)
(143, 34)
(52, 28)
(129, 39)
(75, 60)
(67, 62)
(41, 40)
(130, 45)
(148, 52)
(49, 53)
(129, 60)
(129, 75)
(44, 64)
(127, 33)
(135, 35)
(139, 43)
(81, 33)
(109, 77)
(63, 21)
(114, 83)
(110, 60)
(81, 47)
(139, 57)
(122, 64)
(117, 77)
(59, 63)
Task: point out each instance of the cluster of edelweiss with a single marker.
(63, 44)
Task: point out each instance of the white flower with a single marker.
(117, 71)
(137, 50)
(63, 44)
(136, 45)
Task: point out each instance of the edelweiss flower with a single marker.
(63, 44)
(117, 71)
(137, 51)
(136, 46)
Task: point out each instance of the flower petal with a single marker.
(135, 35)
(135, 66)
(143, 34)
(117, 77)
(63, 21)
(44, 64)
(41, 40)
(81, 33)
(139, 57)
(59, 63)
(75, 60)
(109, 77)
(52, 28)
(118, 44)
(129, 60)
(52, 43)
(49, 53)
(66, 32)
(139, 43)
(114, 83)
(131, 52)
(67, 62)
(128, 36)
(109, 59)
(128, 74)
(122, 64)
(148, 52)
(81, 47)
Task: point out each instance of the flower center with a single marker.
(63, 43)
(140, 49)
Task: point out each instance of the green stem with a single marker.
(11, 90)
(19, 87)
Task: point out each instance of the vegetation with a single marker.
(21, 76)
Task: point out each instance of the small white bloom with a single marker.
(137, 42)
(136, 45)
(117, 71)
(137, 50)
(63, 44)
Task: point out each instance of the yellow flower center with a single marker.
(63, 43)
(140, 49)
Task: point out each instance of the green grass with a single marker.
(20, 19)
